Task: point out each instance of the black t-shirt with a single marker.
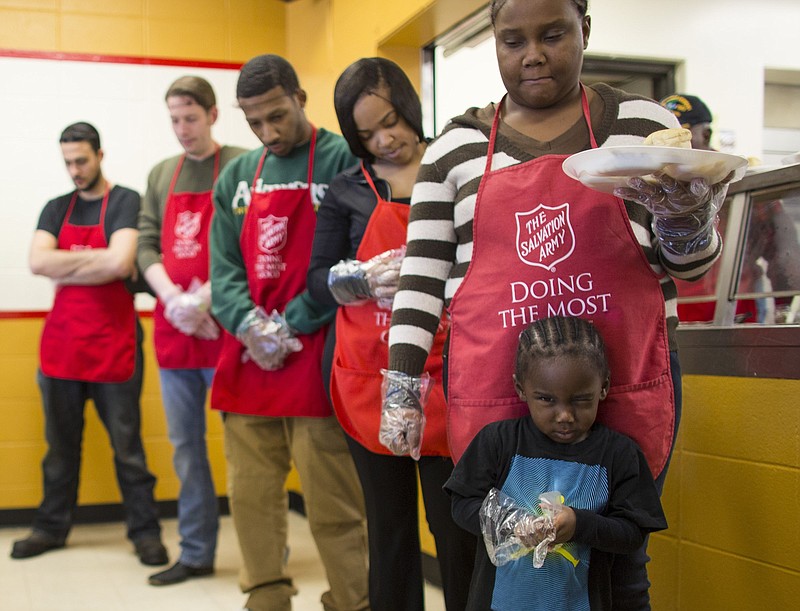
(604, 478)
(122, 212)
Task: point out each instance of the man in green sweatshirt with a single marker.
(268, 381)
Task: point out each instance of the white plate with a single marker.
(604, 169)
(791, 159)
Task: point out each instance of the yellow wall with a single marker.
(214, 30)
(732, 499)
(22, 444)
(324, 36)
(22, 431)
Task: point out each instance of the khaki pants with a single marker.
(259, 453)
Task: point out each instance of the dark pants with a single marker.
(395, 567)
(118, 408)
(629, 580)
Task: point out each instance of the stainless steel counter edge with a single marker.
(740, 351)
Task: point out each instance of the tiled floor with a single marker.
(98, 570)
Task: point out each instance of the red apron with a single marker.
(184, 253)
(362, 341)
(276, 238)
(90, 333)
(546, 245)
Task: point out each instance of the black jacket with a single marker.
(341, 221)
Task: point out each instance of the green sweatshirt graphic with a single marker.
(230, 292)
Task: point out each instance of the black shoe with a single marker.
(36, 543)
(151, 551)
(177, 573)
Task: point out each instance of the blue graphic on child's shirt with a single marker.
(559, 584)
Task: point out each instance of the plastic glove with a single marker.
(208, 329)
(185, 311)
(402, 412)
(188, 310)
(203, 291)
(499, 517)
(352, 281)
(268, 339)
(541, 532)
(684, 213)
(511, 531)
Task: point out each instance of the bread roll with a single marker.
(676, 137)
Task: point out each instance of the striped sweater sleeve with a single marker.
(439, 245)
(636, 118)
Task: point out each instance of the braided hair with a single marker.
(561, 336)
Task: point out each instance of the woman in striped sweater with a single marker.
(500, 236)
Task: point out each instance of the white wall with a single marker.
(724, 45)
(125, 102)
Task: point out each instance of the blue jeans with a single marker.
(118, 407)
(184, 392)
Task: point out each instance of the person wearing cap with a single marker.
(693, 115)
(771, 238)
(173, 256)
(85, 242)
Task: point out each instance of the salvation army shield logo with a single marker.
(545, 236)
(272, 233)
(187, 224)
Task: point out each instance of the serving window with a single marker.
(756, 280)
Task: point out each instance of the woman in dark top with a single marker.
(358, 245)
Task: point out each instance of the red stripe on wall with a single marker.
(29, 314)
(9, 315)
(117, 59)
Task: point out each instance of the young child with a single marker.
(610, 499)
